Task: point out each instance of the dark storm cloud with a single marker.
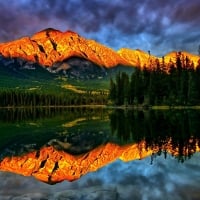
(188, 13)
(150, 24)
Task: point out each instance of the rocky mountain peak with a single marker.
(51, 46)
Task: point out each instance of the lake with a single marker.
(99, 153)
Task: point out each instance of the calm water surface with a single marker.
(169, 171)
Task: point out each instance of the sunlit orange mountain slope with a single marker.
(51, 46)
(136, 57)
(52, 166)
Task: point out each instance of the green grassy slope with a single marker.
(42, 80)
(26, 79)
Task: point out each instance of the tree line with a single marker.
(13, 97)
(175, 83)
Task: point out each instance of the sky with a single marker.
(156, 25)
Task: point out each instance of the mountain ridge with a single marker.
(51, 46)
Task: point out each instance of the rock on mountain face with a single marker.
(76, 67)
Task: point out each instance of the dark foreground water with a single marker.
(172, 172)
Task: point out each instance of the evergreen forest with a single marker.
(172, 84)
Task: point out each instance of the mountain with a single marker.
(69, 54)
(50, 47)
(136, 57)
(65, 53)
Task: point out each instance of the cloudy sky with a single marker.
(159, 26)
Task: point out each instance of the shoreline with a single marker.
(156, 107)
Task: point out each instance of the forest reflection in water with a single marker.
(158, 128)
(87, 128)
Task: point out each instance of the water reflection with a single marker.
(63, 144)
(165, 179)
(177, 130)
(26, 130)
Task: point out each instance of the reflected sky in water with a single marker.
(164, 179)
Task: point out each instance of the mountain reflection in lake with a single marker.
(64, 144)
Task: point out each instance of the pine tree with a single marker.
(126, 88)
(112, 91)
(193, 89)
(139, 87)
(132, 89)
